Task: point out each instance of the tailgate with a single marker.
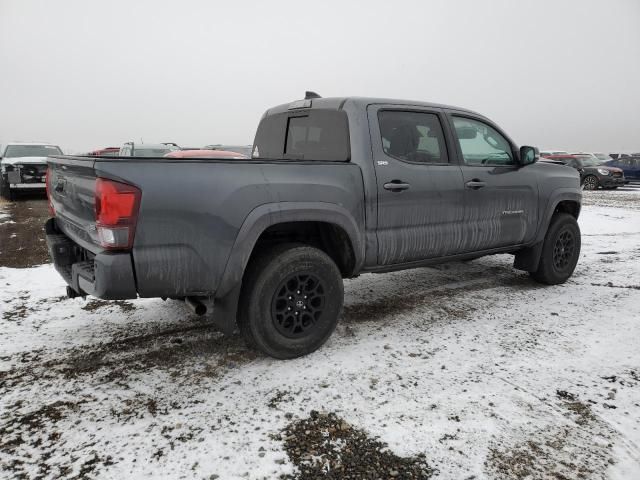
(72, 193)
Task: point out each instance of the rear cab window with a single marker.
(314, 134)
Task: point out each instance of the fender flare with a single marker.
(258, 220)
(557, 196)
(528, 258)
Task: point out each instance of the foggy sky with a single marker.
(85, 74)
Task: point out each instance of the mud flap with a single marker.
(528, 258)
(225, 310)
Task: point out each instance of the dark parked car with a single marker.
(593, 175)
(336, 187)
(629, 165)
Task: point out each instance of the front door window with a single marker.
(482, 144)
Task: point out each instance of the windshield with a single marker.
(151, 152)
(603, 156)
(589, 161)
(16, 151)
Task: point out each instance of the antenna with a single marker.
(309, 95)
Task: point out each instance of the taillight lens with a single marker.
(47, 183)
(116, 210)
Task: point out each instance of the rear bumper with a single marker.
(30, 186)
(104, 275)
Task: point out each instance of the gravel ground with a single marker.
(467, 370)
(22, 232)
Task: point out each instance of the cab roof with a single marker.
(338, 103)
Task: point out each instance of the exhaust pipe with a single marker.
(195, 305)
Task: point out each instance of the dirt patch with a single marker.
(23, 239)
(16, 424)
(611, 285)
(279, 397)
(324, 446)
(444, 300)
(38, 429)
(558, 453)
(116, 360)
(581, 412)
(578, 449)
(21, 306)
(96, 304)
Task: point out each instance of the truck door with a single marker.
(501, 207)
(420, 191)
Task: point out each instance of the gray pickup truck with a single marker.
(335, 187)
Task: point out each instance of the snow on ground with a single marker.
(485, 372)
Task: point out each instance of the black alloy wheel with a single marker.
(590, 183)
(563, 249)
(560, 250)
(298, 304)
(291, 300)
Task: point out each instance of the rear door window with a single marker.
(412, 136)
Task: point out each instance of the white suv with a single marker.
(24, 166)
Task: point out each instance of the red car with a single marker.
(205, 154)
(105, 152)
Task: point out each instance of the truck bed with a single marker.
(191, 211)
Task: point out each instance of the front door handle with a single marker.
(475, 184)
(396, 186)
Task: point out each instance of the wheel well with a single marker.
(568, 206)
(328, 237)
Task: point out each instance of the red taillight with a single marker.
(116, 213)
(47, 180)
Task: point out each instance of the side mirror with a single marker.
(528, 155)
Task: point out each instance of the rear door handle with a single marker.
(475, 184)
(396, 186)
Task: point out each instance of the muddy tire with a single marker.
(590, 182)
(291, 299)
(560, 251)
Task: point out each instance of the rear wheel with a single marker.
(590, 182)
(290, 301)
(560, 250)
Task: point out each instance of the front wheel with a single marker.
(291, 298)
(590, 182)
(560, 250)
